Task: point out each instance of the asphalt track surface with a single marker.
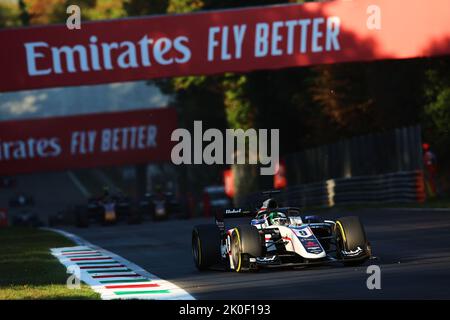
(51, 192)
(412, 249)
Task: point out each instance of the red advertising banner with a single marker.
(210, 42)
(84, 141)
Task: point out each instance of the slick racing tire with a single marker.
(246, 243)
(206, 246)
(351, 241)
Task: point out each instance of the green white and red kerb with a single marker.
(114, 277)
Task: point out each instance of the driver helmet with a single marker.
(277, 219)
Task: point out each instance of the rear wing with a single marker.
(237, 213)
(233, 213)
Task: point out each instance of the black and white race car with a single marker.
(278, 237)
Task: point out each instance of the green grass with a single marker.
(29, 271)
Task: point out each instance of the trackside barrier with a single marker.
(378, 153)
(402, 187)
(420, 187)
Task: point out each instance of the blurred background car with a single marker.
(107, 209)
(26, 218)
(155, 205)
(7, 182)
(21, 200)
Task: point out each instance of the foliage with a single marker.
(184, 6)
(238, 108)
(436, 115)
(359, 98)
(439, 111)
(9, 15)
(145, 7)
(38, 12)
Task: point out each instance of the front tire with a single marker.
(351, 241)
(246, 243)
(206, 246)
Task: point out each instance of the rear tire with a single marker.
(206, 246)
(350, 235)
(246, 243)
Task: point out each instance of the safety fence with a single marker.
(373, 154)
(401, 187)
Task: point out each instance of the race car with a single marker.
(21, 200)
(107, 210)
(26, 218)
(278, 237)
(157, 206)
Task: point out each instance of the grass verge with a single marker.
(29, 271)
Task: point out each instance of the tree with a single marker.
(12, 15)
(436, 115)
(24, 15)
(145, 7)
(38, 12)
